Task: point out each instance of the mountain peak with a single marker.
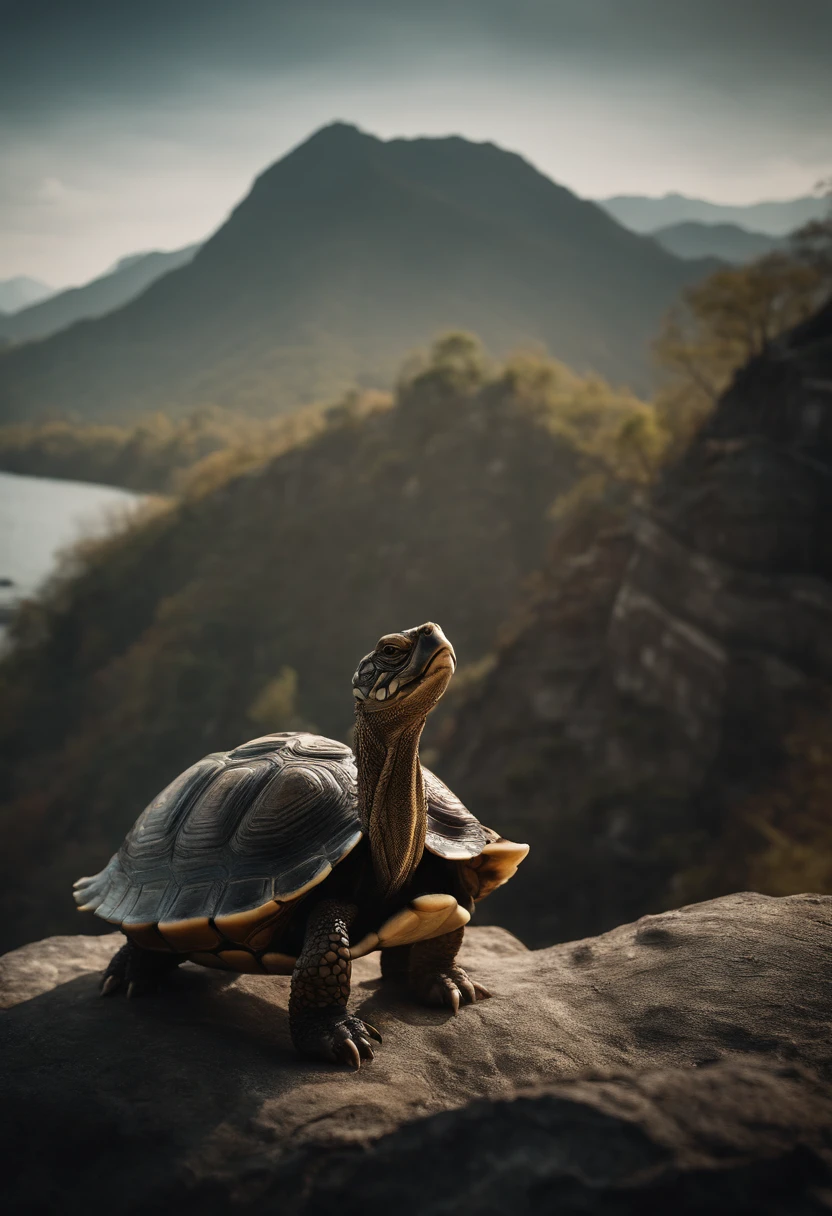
(347, 252)
(334, 136)
(20, 291)
(341, 129)
(326, 151)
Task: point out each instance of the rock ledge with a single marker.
(680, 1060)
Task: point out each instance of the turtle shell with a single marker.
(226, 849)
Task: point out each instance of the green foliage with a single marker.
(455, 366)
(620, 440)
(811, 245)
(157, 455)
(616, 433)
(449, 374)
(721, 324)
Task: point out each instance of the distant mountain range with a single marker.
(345, 254)
(728, 242)
(20, 292)
(128, 278)
(642, 214)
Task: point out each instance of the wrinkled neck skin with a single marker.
(391, 798)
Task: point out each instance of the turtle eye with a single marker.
(389, 651)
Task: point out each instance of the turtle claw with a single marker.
(350, 1050)
(109, 985)
(473, 992)
(337, 1037)
(451, 988)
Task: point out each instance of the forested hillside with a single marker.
(243, 606)
(158, 454)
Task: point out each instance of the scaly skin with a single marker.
(321, 1027)
(430, 971)
(435, 978)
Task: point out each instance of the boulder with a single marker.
(681, 1058)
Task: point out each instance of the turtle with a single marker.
(292, 855)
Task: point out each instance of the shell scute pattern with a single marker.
(243, 893)
(215, 815)
(263, 822)
(191, 900)
(302, 822)
(151, 896)
(453, 832)
(232, 832)
(119, 896)
(316, 747)
(156, 826)
(297, 743)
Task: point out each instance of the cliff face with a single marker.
(723, 616)
(651, 697)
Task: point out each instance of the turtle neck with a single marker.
(391, 798)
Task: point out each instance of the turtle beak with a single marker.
(432, 650)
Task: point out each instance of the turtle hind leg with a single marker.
(394, 964)
(321, 1026)
(135, 971)
(435, 977)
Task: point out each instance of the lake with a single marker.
(39, 517)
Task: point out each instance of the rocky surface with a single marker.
(723, 616)
(681, 1060)
(652, 691)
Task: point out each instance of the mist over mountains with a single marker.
(19, 292)
(126, 280)
(346, 252)
(644, 214)
(728, 242)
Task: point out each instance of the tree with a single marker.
(723, 322)
(456, 365)
(812, 244)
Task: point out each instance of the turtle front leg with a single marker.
(321, 1027)
(434, 976)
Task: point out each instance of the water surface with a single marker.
(39, 517)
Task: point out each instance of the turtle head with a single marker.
(405, 675)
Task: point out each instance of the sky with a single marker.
(128, 125)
